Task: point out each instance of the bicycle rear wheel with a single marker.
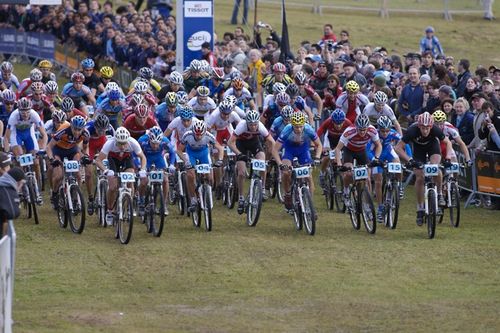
(232, 189)
(329, 191)
(62, 209)
(353, 209)
(206, 195)
(430, 218)
(156, 214)
(391, 206)
(254, 203)
(455, 205)
(182, 199)
(367, 210)
(308, 213)
(338, 191)
(76, 215)
(126, 222)
(102, 203)
(172, 190)
(32, 198)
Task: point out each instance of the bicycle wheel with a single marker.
(76, 215)
(353, 209)
(455, 205)
(172, 190)
(196, 216)
(181, 200)
(254, 203)
(391, 206)
(308, 213)
(430, 218)
(271, 180)
(62, 212)
(206, 195)
(156, 211)
(32, 198)
(329, 191)
(280, 191)
(367, 210)
(232, 189)
(338, 191)
(102, 203)
(297, 211)
(126, 222)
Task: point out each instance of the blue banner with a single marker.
(33, 44)
(7, 40)
(198, 24)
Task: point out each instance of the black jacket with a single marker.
(9, 205)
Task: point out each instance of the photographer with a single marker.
(490, 126)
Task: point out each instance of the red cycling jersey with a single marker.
(355, 142)
(136, 130)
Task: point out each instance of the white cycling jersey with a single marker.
(111, 149)
(214, 121)
(202, 110)
(373, 114)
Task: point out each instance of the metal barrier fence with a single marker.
(7, 264)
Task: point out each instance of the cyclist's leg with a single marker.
(347, 176)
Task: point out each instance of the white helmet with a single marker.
(140, 87)
(122, 135)
(176, 78)
(112, 86)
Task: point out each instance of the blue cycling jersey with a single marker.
(154, 155)
(164, 117)
(70, 91)
(214, 91)
(110, 111)
(277, 127)
(289, 137)
(12, 81)
(93, 133)
(4, 116)
(300, 103)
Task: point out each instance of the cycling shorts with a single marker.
(24, 138)
(157, 160)
(65, 153)
(388, 155)
(120, 165)
(222, 135)
(361, 157)
(251, 146)
(300, 152)
(201, 156)
(420, 152)
(444, 151)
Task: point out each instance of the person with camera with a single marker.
(490, 126)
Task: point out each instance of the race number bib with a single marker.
(453, 168)
(331, 154)
(25, 160)
(156, 176)
(302, 172)
(127, 177)
(203, 168)
(431, 170)
(394, 167)
(258, 165)
(105, 162)
(71, 166)
(360, 173)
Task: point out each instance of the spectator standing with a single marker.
(491, 119)
(488, 88)
(488, 10)
(236, 9)
(463, 75)
(411, 100)
(478, 100)
(256, 72)
(463, 120)
(208, 55)
(11, 183)
(431, 43)
(239, 58)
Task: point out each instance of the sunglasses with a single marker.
(9, 103)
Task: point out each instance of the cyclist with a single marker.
(146, 75)
(389, 138)
(296, 140)
(52, 92)
(379, 108)
(298, 102)
(51, 127)
(270, 99)
(111, 107)
(196, 143)
(280, 122)
(243, 96)
(8, 80)
(155, 147)
(274, 110)
(214, 84)
(24, 88)
(98, 129)
(351, 101)
(175, 84)
(45, 66)
(68, 107)
(7, 106)
(193, 77)
(76, 90)
(352, 145)
(202, 104)
(333, 127)
(110, 86)
(91, 80)
(232, 101)
(279, 75)
(65, 144)
(306, 91)
(168, 110)
(40, 102)
(247, 140)
(452, 134)
(139, 122)
(106, 77)
(426, 138)
(180, 125)
(118, 150)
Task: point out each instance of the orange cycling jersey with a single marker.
(65, 139)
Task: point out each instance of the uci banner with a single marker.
(195, 26)
(32, 44)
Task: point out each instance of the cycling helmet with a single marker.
(292, 90)
(217, 73)
(362, 121)
(195, 66)
(225, 107)
(37, 86)
(182, 97)
(234, 75)
(155, 134)
(35, 75)
(77, 77)
(114, 95)
(146, 73)
(203, 91)
(298, 119)
(45, 64)
(141, 87)
(439, 116)
(122, 135)
(199, 127)
(87, 63)
(425, 119)
(186, 113)
(384, 122)
(67, 104)
(232, 99)
(59, 116)
(171, 98)
(283, 99)
(352, 86)
(252, 117)
(6, 67)
(24, 104)
(78, 122)
(141, 110)
(338, 116)
(112, 86)
(8, 96)
(176, 78)
(101, 122)
(278, 87)
(228, 62)
(300, 78)
(205, 66)
(106, 72)
(279, 67)
(380, 97)
(286, 112)
(51, 87)
(238, 83)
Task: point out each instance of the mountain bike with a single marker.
(273, 179)
(154, 215)
(451, 193)
(123, 207)
(334, 185)
(71, 204)
(204, 194)
(303, 209)
(181, 189)
(253, 202)
(30, 189)
(390, 193)
(229, 180)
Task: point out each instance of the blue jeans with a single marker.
(236, 8)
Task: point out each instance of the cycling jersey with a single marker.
(4, 115)
(76, 95)
(11, 81)
(177, 126)
(197, 150)
(136, 130)
(242, 131)
(50, 129)
(223, 127)
(164, 116)
(332, 134)
(96, 142)
(41, 105)
(111, 111)
(199, 110)
(352, 108)
(65, 139)
(243, 100)
(308, 91)
(156, 156)
(297, 145)
(50, 77)
(373, 114)
(23, 131)
(450, 132)
(269, 81)
(271, 113)
(92, 81)
(104, 95)
(112, 150)
(424, 146)
(353, 141)
(216, 92)
(277, 127)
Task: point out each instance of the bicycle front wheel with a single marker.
(455, 205)
(32, 198)
(297, 211)
(338, 191)
(391, 206)
(353, 209)
(76, 214)
(329, 191)
(254, 203)
(156, 212)
(430, 218)
(62, 211)
(232, 189)
(367, 210)
(308, 211)
(126, 222)
(206, 195)
(102, 203)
